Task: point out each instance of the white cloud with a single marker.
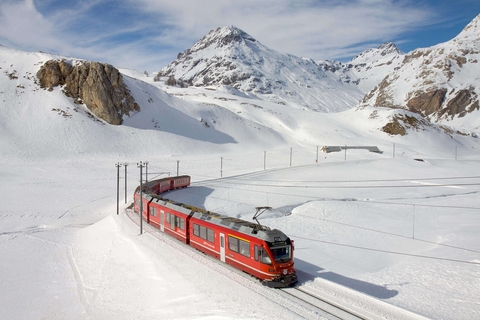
(22, 24)
(147, 34)
(308, 28)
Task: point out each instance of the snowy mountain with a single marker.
(229, 56)
(382, 233)
(440, 82)
(373, 65)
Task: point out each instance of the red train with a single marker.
(255, 249)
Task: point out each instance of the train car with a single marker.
(255, 249)
(180, 182)
(151, 212)
(166, 184)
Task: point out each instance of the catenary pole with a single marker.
(141, 165)
(126, 165)
(118, 165)
(146, 171)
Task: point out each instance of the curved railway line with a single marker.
(301, 300)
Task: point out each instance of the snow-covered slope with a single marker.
(229, 56)
(216, 119)
(440, 82)
(370, 229)
(38, 122)
(372, 65)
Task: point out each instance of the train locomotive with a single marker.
(255, 249)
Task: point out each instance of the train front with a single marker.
(280, 252)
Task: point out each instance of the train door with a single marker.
(222, 247)
(162, 214)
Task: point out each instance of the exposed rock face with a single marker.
(440, 82)
(400, 123)
(100, 86)
(427, 102)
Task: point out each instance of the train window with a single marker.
(233, 243)
(244, 248)
(196, 230)
(203, 232)
(281, 254)
(210, 235)
(255, 252)
(167, 218)
(179, 222)
(264, 258)
(153, 212)
(171, 220)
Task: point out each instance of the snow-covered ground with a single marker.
(399, 228)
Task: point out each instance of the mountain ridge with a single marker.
(439, 82)
(229, 56)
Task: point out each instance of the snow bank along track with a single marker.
(284, 301)
(315, 298)
(302, 300)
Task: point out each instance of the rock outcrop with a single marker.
(439, 83)
(98, 85)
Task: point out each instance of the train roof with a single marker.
(250, 228)
(246, 227)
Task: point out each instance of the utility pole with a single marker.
(264, 159)
(221, 167)
(146, 171)
(118, 165)
(178, 165)
(141, 165)
(125, 165)
(413, 223)
(290, 157)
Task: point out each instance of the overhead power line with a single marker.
(387, 251)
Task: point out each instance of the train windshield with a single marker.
(282, 253)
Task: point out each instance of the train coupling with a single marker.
(281, 282)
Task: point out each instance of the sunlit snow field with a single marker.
(396, 229)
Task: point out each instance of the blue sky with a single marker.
(148, 34)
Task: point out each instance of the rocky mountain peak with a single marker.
(439, 82)
(372, 65)
(471, 31)
(388, 48)
(229, 56)
(220, 37)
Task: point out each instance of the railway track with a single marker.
(303, 300)
(314, 301)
